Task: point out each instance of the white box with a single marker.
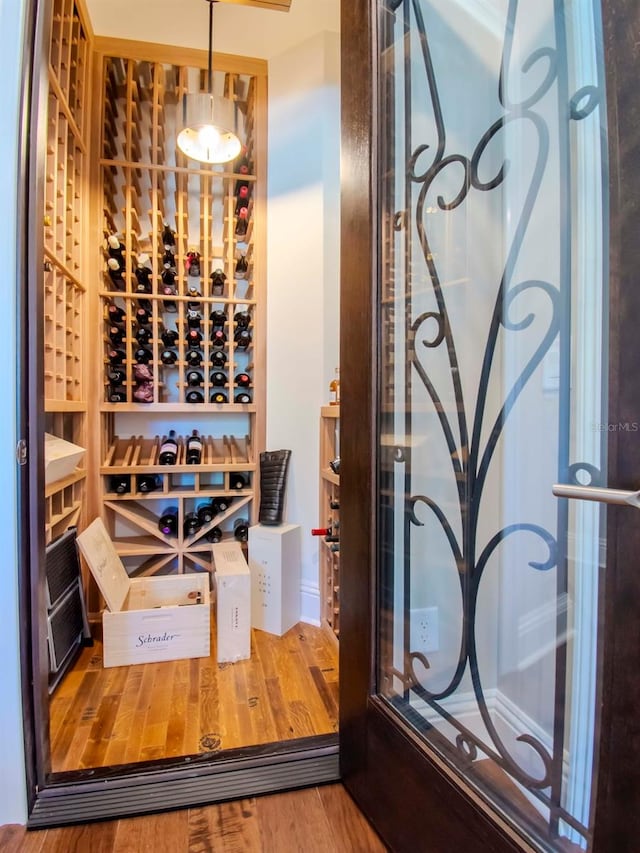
(61, 458)
(149, 619)
(274, 560)
(233, 588)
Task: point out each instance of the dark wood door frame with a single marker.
(413, 802)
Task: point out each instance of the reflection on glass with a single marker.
(493, 306)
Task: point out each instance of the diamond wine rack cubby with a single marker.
(180, 271)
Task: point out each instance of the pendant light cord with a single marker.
(211, 2)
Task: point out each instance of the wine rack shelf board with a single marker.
(59, 486)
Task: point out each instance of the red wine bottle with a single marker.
(194, 358)
(194, 338)
(335, 465)
(116, 396)
(243, 397)
(169, 337)
(218, 279)
(120, 484)
(218, 318)
(238, 480)
(168, 522)
(194, 319)
(242, 267)
(169, 450)
(242, 319)
(218, 379)
(243, 380)
(242, 222)
(241, 529)
(218, 397)
(143, 317)
(168, 357)
(194, 448)
(116, 376)
(115, 274)
(116, 316)
(218, 358)
(205, 513)
(220, 504)
(168, 239)
(116, 335)
(242, 338)
(194, 378)
(218, 338)
(116, 356)
(143, 335)
(242, 197)
(194, 396)
(214, 535)
(148, 483)
(143, 355)
(192, 264)
(115, 249)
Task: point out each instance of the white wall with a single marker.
(13, 807)
(302, 273)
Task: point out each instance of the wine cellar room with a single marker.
(189, 393)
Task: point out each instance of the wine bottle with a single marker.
(243, 397)
(218, 397)
(169, 449)
(193, 357)
(168, 357)
(116, 248)
(191, 524)
(194, 378)
(220, 504)
(143, 335)
(192, 264)
(218, 279)
(238, 480)
(194, 338)
(218, 338)
(143, 355)
(194, 396)
(241, 529)
(147, 483)
(168, 522)
(116, 335)
(321, 531)
(242, 267)
(242, 319)
(143, 277)
(335, 465)
(143, 317)
(116, 315)
(242, 197)
(116, 356)
(242, 222)
(120, 484)
(194, 319)
(218, 358)
(116, 376)
(243, 380)
(194, 294)
(334, 388)
(169, 262)
(218, 379)
(218, 318)
(144, 261)
(194, 448)
(169, 337)
(168, 239)
(115, 274)
(334, 504)
(335, 547)
(169, 282)
(214, 535)
(242, 338)
(205, 512)
(116, 396)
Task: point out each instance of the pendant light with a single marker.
(205, 133)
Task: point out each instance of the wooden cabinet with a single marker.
(330, 518)
(183, 268)
(66, 165)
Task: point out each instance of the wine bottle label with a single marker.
(195, 446)
(168, 447)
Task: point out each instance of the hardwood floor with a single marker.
(287, 689)
(313, 820)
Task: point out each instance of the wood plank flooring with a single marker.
(312, 820)
(287, 689)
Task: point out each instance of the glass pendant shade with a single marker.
(205, 133)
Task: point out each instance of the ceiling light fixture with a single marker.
(203, 135)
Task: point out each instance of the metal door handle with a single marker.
(594, 493)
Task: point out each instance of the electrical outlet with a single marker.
(424, 630)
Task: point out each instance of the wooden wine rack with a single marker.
(147, 182)
(66, 168)
(329, 493)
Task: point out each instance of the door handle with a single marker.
(594, 493)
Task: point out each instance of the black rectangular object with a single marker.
(66, 627)
(62, 566)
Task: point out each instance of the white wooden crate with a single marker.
(233, 593)
(149, 619)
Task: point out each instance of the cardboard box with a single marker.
(149, 619)
(274, 562)
(61, 458)
(233, 589)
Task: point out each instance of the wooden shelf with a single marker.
(60, 485)
(329, 560)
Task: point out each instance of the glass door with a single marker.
(493, 423)
(493, 381)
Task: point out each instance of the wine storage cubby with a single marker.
(64, 277)
(180, 278)
(329, 556)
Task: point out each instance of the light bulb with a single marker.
(209, 137)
